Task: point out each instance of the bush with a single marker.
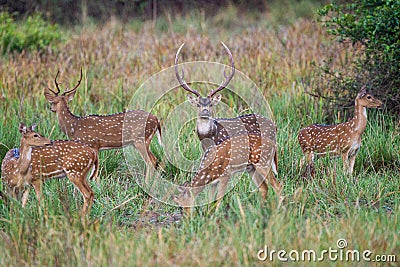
(374, 25)
(31, 34)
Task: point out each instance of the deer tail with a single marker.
(274, 166)
(95, 170)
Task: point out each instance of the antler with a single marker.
(76, 86)
(55, 81)
(180, 78)
(228, 78)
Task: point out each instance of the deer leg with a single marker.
(156, 163)
(148, 157)
(260, 182)
(13, 192)
(345, 159)
(144, 150)
(352, 160)
(25, 197)
(80, 182)
(266, 172)
(151, 157)
(37, 185)
(276, 185)
(302, 161)
(222, 186)
(89, 197)
(309, 157)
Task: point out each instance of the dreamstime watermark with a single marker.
(338, 253)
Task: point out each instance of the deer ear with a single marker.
(70, 95)
(49, 97)
(216, 99)
(33, 127)
(193, 100)
(362, 92)
(22, 128)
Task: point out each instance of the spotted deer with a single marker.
(39, 159)
(342, 139)
(211, 130)
(134, 127)
(230, 155)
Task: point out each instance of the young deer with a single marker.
(105, 131)
(39, 159)
(233, 154)
(340, 139)
(212, 130)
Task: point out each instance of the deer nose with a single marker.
(205, 113)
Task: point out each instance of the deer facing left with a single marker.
(39, 159)
(251, 152)
(135, 127)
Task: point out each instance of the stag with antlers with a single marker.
(134, 127)
(213, 130)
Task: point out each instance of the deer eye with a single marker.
(35, 135)
(369, 97)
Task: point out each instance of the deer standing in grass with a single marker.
(230, 155)
(342, 139)
(212, 130)
(39, 159)
(135, 127)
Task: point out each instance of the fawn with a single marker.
(135, 127)
(39, 159)
(240, 152)
(340, 139)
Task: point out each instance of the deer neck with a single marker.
(360, 118)
(25, 158)
(66, 119)
(205, 127)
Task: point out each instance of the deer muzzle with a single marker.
(205, 114)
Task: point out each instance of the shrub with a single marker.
(34, 33)
(374, 25)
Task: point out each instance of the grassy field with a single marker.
(128, 228)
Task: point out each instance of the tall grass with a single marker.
(126, 227)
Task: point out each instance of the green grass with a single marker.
(364, 209)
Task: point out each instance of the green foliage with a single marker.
(375, 24)
(34, 33)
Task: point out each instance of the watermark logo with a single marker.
(339, 253)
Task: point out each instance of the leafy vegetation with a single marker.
(34, 33)
(374, 26)
(126, 226)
